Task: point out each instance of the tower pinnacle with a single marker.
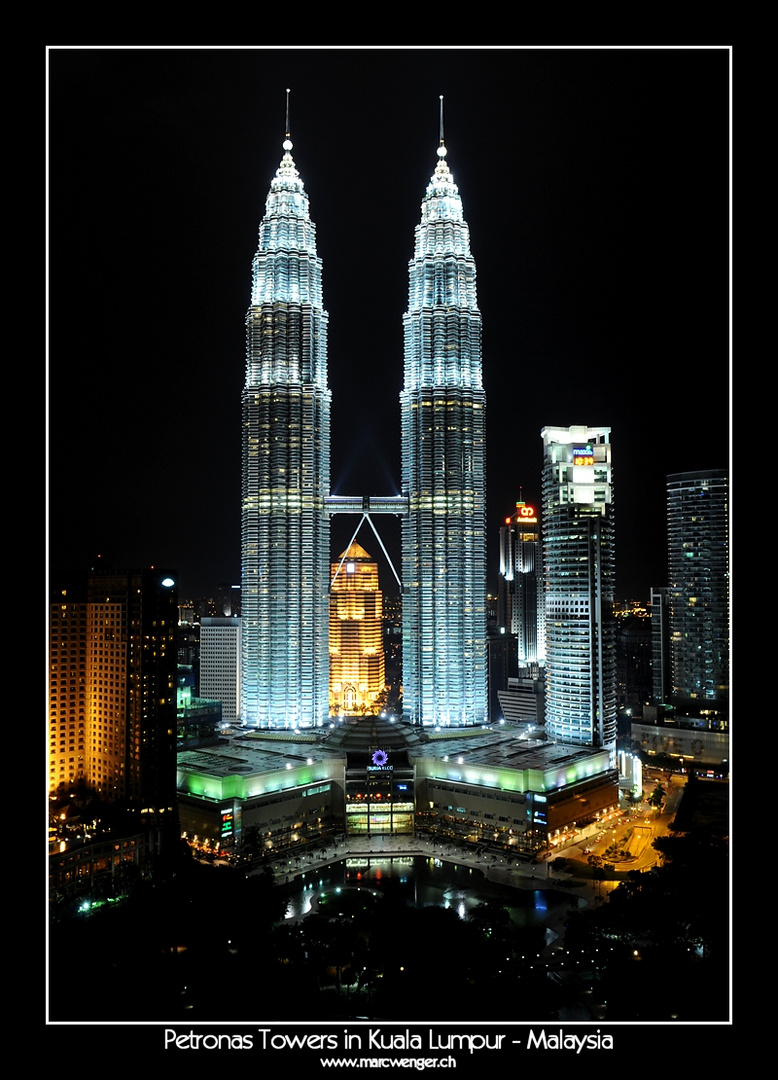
(287, 144)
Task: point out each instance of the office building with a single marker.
(698, 593)
(68, 695)
(357, 671)
(443, 471)
(112, 689)
(521, 608)
(133, 678)
(660, 646)
(502, 669)
(220, 664)
(578, 545)
(285, 533)
(286, 471)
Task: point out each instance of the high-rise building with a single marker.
(286, 471)
(578, 549)
(520, 601)
(443, 470)
(698, 593)
(112, 689)
(134, 616)
(660, 646)
(220, 649)
(357, 673)
(285, 532)
(68, 696)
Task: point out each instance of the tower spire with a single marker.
(288, 129)
(442, 138)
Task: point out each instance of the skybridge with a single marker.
(365, 506)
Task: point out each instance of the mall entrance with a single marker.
(379, 777)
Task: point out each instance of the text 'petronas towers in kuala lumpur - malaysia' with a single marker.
(285, 534)
(443, 471)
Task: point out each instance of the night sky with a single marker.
(596, 186)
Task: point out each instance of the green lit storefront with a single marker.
(263, 793)
(268, 794)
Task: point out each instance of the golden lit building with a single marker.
(112, 688)
(357, 676)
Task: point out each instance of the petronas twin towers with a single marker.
(286, 499)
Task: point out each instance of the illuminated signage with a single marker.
(583, 455)
(380, 762)
(523, 513)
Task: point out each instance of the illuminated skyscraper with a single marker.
(521, 608)
(356, 633)
(443, 471)
(698, 596)
(285, 532)
(578, 551)
(113, 689)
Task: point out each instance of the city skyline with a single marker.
(596, 187)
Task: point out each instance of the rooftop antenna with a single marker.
(288, 133)
(442, 147)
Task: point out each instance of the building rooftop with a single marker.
(260, 755)
(493, 748)
(252, 754)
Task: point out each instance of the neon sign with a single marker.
(583, 455)
(523, 513)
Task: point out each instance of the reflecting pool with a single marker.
(422, 881)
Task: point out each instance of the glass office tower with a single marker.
(698, 596)
(285, 536)
(521, 609)
(443, 471)
(578, 553)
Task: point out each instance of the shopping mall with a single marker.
(497, 787)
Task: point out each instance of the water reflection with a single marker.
(421, 881)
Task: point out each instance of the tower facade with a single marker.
(220, 649)
(357, 675)
(285, 534)
(443, 471)
(520, 600)
(113, 668)
(578, 550)
(698, 595)
(68, 695)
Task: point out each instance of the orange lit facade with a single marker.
(357, 675)
(68, 697)
(112, 689)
